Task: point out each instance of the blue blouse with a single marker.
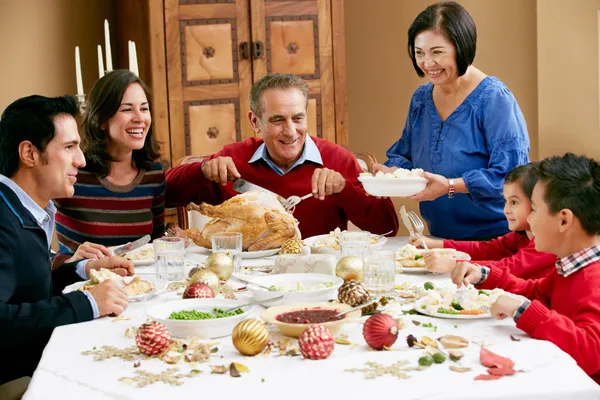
(483, 139)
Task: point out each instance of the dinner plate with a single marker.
(323, 244)
(141, 297)
(413, 270)
(420, 310)
(245, 254)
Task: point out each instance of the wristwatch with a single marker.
(451, 189)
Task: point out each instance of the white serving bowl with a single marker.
(328, 244)
(265, 297)
(204, 328)
(393, 187)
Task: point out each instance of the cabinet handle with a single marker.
(257, 49)
(244, 51)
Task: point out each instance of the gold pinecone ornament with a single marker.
(250, 337)
(354, 294)
(292, 246)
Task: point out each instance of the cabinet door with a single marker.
(294, 37)
(209, 74)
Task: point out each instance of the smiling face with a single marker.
(436, 57)
(129, 126)
(283, 124)
(517, 206)
(545, 227)
(57, 172)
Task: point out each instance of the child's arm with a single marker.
(527, 263)
(495, 249)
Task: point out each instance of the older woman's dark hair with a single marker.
(525, 175)
(455, 23)
(104, 102)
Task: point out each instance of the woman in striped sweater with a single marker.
(119, 194)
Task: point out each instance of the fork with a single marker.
(293, 201)
(416, 221)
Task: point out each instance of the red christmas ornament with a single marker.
(316, 342)
(380, 330)
(152, 338)
(198, 290)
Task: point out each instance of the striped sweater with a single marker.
(111, 215)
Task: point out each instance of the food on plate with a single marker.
(448, 301)
(309, 316)
(196, 315)
(258, 216)
(298, 287)
(134, 287)
(412, 257)
(398, 173)
(333, 240)
(144, 253)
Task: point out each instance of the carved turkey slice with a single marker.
(259, 216)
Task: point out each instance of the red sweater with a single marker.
(564, 311)
(187, 183)
(514, 251)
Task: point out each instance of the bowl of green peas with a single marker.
(206, 318)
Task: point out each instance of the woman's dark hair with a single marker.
(30, 119)
(524, 175)
(572, 182)
(455, 23)
(104, 102)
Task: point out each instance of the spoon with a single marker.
(368, 303)
(254, 303)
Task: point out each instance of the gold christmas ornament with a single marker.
(350, 268)
(353, 293)
(221, 264)
(292, 246)
(250, 337)
(209, 278)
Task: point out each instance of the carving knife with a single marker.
(242, 186)
(406, 221)
(126, 248)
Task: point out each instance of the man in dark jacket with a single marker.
(40, 155)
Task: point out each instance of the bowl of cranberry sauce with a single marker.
(310, 316)
(293, 319)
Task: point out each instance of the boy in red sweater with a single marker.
(515, 250)
(564, 307)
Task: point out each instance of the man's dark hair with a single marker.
(525, 176)
(30, 119)
(455, 23)
(572, 182)
(104, 102)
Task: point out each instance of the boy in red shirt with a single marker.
(564, 307)
(515, 250)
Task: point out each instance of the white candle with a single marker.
(109, 66)
(100, 63)
(129, 55)
(78, 72)
(134, 63)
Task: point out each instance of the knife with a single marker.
(126, 248)
(406, 221)
(242, 186)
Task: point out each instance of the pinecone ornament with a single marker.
(369, 309)
(292, 246)
(152, 338)
(316, 342)
(353, 293)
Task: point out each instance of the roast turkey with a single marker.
(259, 216)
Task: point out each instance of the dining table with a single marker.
(352, 371)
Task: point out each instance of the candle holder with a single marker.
(81, 101)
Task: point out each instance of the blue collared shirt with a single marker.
(310, 152)
(45, 220)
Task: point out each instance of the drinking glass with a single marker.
(355, 243)
(229, 242)
(379, 272)
(170, 258)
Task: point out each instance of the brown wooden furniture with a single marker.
(182, 212)
(366, 159)
(200, 58)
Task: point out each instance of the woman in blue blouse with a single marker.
(464, 128)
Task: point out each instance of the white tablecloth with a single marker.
(548, 373)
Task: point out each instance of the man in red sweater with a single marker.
(286, 161)
(564, 307)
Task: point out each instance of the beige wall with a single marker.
(568, 77)
(37, 44)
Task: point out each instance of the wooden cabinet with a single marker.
(203, 56)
